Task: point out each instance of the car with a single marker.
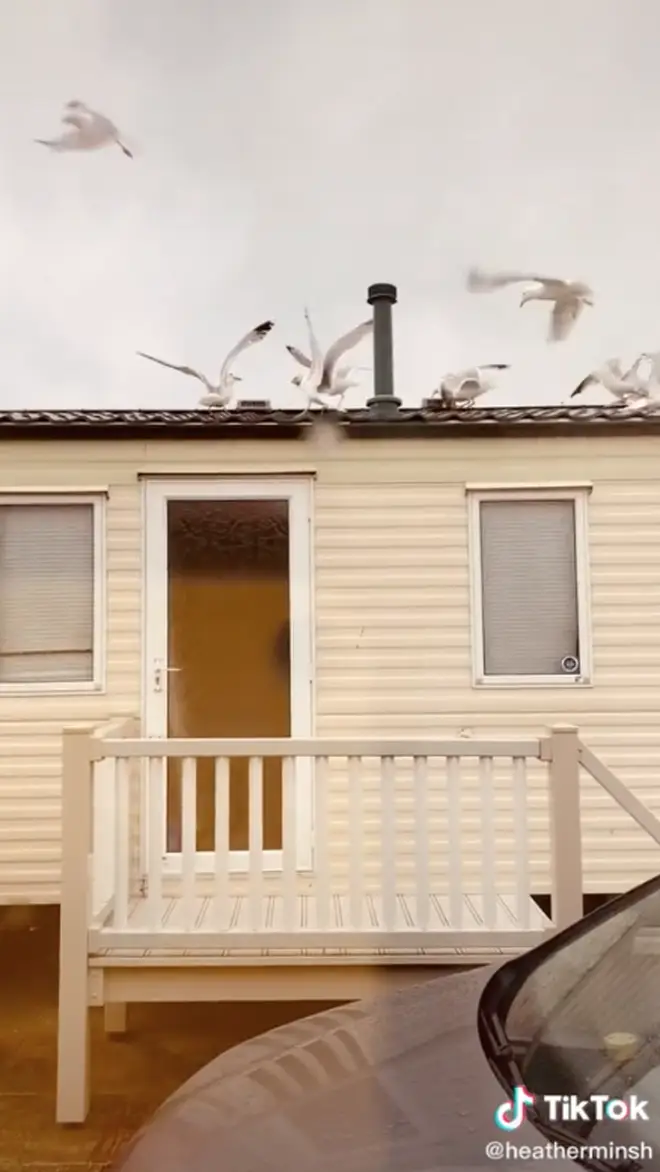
(493, 1066)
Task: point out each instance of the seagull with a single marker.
(467, 385)
(90, 131)
(622, 385)
(222, 394)
(311, 381)
(330, 379)
(569, 297)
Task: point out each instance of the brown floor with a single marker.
(130, 1077)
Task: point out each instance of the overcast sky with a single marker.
(293, 151)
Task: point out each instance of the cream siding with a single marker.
(393, 631)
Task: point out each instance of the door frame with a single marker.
(298, 491)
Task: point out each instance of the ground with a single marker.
(130, 1077)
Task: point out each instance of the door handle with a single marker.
(160, 671)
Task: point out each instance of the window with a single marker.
(49, 605)
(529, 587)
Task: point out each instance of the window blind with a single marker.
(529, 586)
(46, 593)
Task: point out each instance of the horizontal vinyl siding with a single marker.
(31, 726)
(393, 639)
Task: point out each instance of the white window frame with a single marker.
(97, 682)
(579, 495)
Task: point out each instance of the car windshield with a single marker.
(580, 1016)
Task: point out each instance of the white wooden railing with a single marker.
(402, 834)
(394, 819)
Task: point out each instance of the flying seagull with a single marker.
(467, 385)
(569, 297)
(622, 385)
(328, 378)
(222, 394)
(90, 131)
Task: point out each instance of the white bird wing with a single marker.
(632, 370)
(250, 339)
(589, 381)
(564, 315)
(182, 369)
(80, 121)
(78, 115)
(90, 118)
(471, 388)
(300, 358)
(316, 367)
(607, 375)
(343, 345)
(453, 381)
(479, 281)
(654, 359)
(102, 124)
(471, 375)
(612, 378)
(634, 378)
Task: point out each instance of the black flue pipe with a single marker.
(384, 404)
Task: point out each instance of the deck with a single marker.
(407, 941)
(397, 857)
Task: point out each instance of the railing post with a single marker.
(73, 1009)
(565, 825)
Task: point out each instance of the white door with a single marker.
(229, 643)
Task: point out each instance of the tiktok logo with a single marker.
(511, 1114)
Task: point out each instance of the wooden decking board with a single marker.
(272, 914)
(267, 958)
(238, 920)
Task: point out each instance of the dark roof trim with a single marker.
(267, 423)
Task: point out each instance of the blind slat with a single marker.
(529, 586)
(46, 592)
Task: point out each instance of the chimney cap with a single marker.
(381, 292)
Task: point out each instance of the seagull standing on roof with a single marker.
(220, 395)
(569, 297)
(625, 386)
(90, 130)
(467, 385)
(326, 432)
(324, 376)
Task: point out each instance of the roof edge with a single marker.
(259, 423)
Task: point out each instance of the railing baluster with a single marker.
(155, 838)
(388, 841)
(455, 836)
(104, 819)
(355, 842)
(122, 831)
(488, 872)
(521, 841)
(221, 843)
(421, 833)
(322, 854)
(289, 844)
(111, 852)
(188, 840)
(255, 840)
